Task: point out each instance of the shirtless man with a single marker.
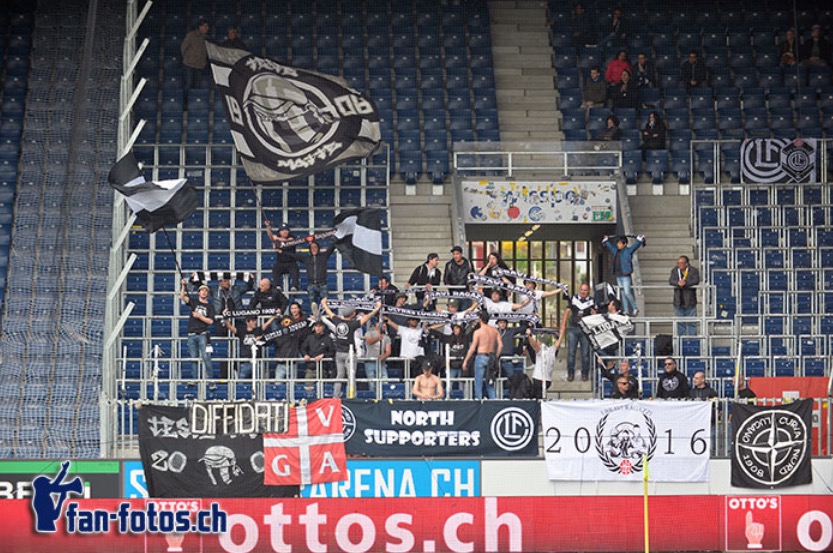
(485, 342)
(428, 385)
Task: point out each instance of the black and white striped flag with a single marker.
(288, 122)
(156, 204)
(359, 239)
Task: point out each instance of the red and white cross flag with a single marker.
(312, 450)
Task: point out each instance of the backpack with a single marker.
(663, 345)
(520, 386)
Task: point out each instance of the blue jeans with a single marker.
(316, 293)
(245, 370)
(197, 344)
(370, 369)
(575, 338)
(481, 363)
(510, 367)
(281, 370)
(628, 301)
(686, 329)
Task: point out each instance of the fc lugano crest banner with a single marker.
(772, 445)
(605, 330)
(432, 428)
(779, 160)
(288, 122)
(312, 450)
(609, 440)
(180, 461)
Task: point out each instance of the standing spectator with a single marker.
(544, 364)
(701, 390)
(199, 326)
(268, 296)
(595, 90)
(458, 343)
(672, 383)
(653, 134)
(788, 49)
(251, 345)
(285, 261)
(644, 72)
(584, 30)
(623, 269)
(485, 345)
(457, 270)
(195, 58)
(344, 328)
(693, 72)
(581, 305)
(615, 67)
(426, 275)
(611, 132)
(496, 305)
(385, 292)
(494, 262)
(377, 349)
(744, 391)
(622, 371)
(625, 94)
(816, 50)
(316, 348)
(616, 30)
(428, 385)
(316, 264)
(684, 278)
(233, 39)
(508, 337)
(411, 341)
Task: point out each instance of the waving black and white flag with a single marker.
(605, 330)
(156, 204)
(359, 239)
(288, 122)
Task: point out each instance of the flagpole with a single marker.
(173, 252)
(645, 477)
(737, 367)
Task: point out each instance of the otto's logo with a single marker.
(49, 496)
(624, 437)
(771, 446)
(348, 422)
(512, 429)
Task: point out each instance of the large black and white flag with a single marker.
(779, 160)
(772, 445)
(359, 239)
(605, 330)
(156, 204)
(288, 122)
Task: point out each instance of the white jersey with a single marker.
(534, 303)
(544, 363)
(410, 346)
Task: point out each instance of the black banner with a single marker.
(179, 463)
(433, 428)
(772, 447)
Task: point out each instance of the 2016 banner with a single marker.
(779, 160)
(610, 440)
(772, 446)
(418, 429)
(181, 463)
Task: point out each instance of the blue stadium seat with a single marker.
(657, 165)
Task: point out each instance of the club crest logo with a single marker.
(348, 422)
(624, 437)
(771, 446)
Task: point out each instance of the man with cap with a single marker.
(344, 329)
(251, 345)
(426, 275)
(285, 261)
(457, 271)
(428, 385)
(385, 291)
(199, 326)
(317, 347)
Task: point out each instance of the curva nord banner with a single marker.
(458, 524)
(430, 428)
(180, 461)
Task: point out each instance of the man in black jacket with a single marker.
(427, 275)
(317, 347)
(622, 371)
(672, 383)
(316, 265)
(693, 72)
(684, 278)
(268, 297)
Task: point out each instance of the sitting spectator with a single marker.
(616, 29)
(233, 39)
(615, 67)
(672, 383)
(653, 135)
(693, 71)
(612, 131)
(625, 94)
(701, 390)
(788, 49)
(428, 385)
(622, 372)
(584, 32)
(816, 50)
(644, 72)
(595, 90)
(624, 389)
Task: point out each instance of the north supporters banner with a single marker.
(431, 428)
(772, 445)
(180, 462)
(288, 122)
(609, 439)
